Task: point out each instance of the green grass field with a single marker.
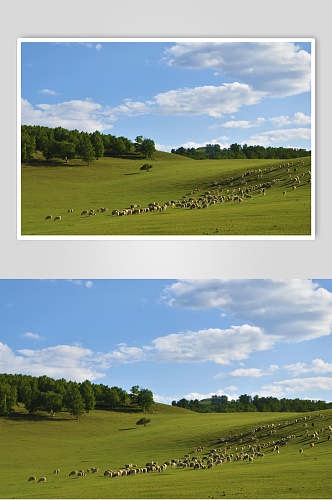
(52, 189)
(111, 439)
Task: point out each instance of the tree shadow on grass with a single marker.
(35, 417)
(51, 163)
(127, 429)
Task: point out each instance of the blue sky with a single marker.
(189, 338)
(176, 93)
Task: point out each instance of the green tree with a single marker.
(28, 146)
(148, 148)
(51, 402)
(143, 421)
(98, 144)
(88, 396)
(145, 399)
(88, 152)
(75, 403)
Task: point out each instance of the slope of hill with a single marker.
(108, 440)
(51, 189)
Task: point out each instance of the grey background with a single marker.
(166, 259)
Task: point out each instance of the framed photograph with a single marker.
(166, 138)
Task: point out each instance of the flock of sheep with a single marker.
(226, 190)
(248, 446)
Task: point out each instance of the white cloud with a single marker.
(280, 136)
(208, 100)
(215, 345)
(316, 366)
(86, 284)
(31, 335)
(296, 385)
(237, 124)
(197, 395)
(279, 69)
(219, 346)
(90, 45)
(294, 310)
(75, 114)
(219, 140)
(48, 91)
(68, 361)
(298, 118)
(253, 372)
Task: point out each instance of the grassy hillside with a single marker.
(34, 446)
(115, 183)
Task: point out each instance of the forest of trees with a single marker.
(68, 144)
(51, 395)
(245, 403)
(236, 151)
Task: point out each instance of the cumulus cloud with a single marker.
(294, 310)
(208, 100)
(278, 68)
(220, 346)
(297, 118)
(48, 91)
(316, 366)
(280, 136)
(31, 335)
(296, 385)
(75, 114)
(254, 372)
(68, 361)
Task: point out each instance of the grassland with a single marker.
(36, 446)
(115, 183)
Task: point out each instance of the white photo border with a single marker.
(171, 237)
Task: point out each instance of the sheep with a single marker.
(57, 217)
(284, 193)
(84, 212)
(42, 480)
(73, 473)
(312, 445)
(301, 451)
(70, 210)
(56, 471)
(48, 217)
(32, 478)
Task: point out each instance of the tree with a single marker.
(88, 395)
(74, 402)
(143, 421)
(145, 399)
(28, 146)
(134, 391)
(146, 166)
(147, 148)
(51, 402)
(88, 153)
(66, 150)
(98, 144)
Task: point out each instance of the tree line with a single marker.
(68, 144)
(238, 151)
(246, 403)
(54, 395)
